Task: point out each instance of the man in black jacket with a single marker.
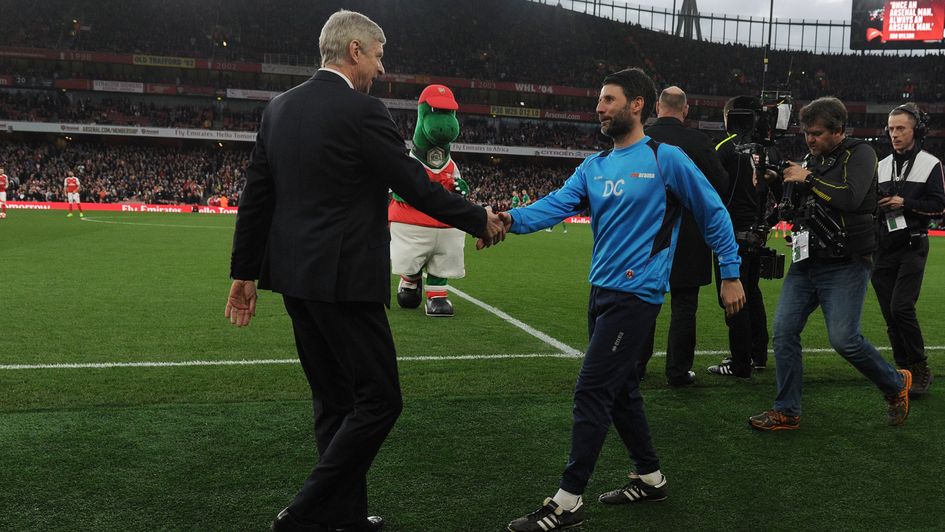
(692, 266)
(747, 329)
(911, 190)
(833, 244)
(312, 226)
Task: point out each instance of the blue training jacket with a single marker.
(635, 202)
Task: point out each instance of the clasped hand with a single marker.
(497, 225)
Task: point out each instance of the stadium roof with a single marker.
(825, 9)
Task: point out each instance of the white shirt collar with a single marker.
(344, 77)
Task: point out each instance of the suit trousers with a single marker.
(897, 280)
(681, 338)
(347, 352)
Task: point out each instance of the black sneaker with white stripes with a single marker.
(726, 369)
(549, 517)
(754, 364)
(635, 491)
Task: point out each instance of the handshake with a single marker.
(497, 225)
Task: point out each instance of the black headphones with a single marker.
(921, 119)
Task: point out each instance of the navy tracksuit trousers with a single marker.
(608, 386)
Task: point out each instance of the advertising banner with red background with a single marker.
(119, 207)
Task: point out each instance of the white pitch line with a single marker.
(425, 358)
(264, 361)
(417, 358)
(109, 365)
(87, 219)
(557, 344)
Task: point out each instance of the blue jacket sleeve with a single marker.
(567, 201)
(695, 192)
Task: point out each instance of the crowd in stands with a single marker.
(207, 176)
(494, 185)
(477, 39)
(123, 173)
(476, 130)
(50, 106)
(155, 174)
(54, 106)
(564, 136)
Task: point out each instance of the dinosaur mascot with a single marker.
(418, 242)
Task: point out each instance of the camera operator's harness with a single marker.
(814, 228)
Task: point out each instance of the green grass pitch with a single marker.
(481, 440)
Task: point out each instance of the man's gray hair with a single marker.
(342, 28)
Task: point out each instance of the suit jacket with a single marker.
(692, 265)
(312, 221)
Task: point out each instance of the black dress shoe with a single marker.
(372, 524)
(686, 380)
(285, 522)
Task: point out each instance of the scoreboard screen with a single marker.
(897, 24)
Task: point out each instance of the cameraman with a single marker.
(830, 267)
(747, 329)
(911, 190)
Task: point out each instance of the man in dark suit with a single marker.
(312, 225)
(692, 266)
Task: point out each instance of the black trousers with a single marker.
(897, 279)
(681, 338)
(347, 353)
(747, 329)
(608, 386)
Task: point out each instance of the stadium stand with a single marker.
(168, 174)
(122, 173)
(50, 106)
(483, 44)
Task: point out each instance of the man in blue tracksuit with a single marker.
(635, 193)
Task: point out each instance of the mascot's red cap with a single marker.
(439, 97)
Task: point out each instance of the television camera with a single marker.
(756, 124)
(757, 128)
